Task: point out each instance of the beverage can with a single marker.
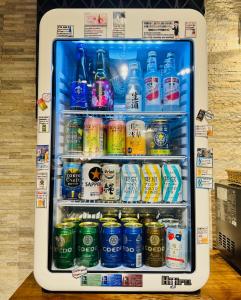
(64, 245)
(169, 222)
(171, 183)
(146, 218)
(116, 137)
(135, 137)
(151, 183)
(73, 134)
(111, 245)
(154, 244)
(71, 180)
(132, 245)
(75, 222)
(110, 182)
(171, 90)
(90, 182)
(158, 138)
(130, 183)
(88, 244)
(106, 220)
(128, 220)
(176, 247)
(93, 136)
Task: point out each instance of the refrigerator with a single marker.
(120, 95)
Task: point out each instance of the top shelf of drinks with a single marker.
(131, 89)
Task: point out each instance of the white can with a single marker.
(110, 181)
(176, 247)
(90, 182)
(130, 183)
(171, 183)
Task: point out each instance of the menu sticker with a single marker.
(204, 157)
(78, 272)
(160, 29)
(202, 235)
(42, 179)
(134, 280)
(190, 29)
(43, 124)
(204, 172)
(203, 130)
(90, 280)
(204, 183)
(41, 199)
(42, 156)
(65, 30)
(119, 24)
(95, 25)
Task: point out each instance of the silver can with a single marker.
(169, 222)
(110, 182)
(90, 182)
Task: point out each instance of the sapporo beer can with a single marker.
(71, 180)
(76, 222)
(135, 137)
(132, 245)
(64, 252)
(93, 143)
(158, 141)
(172, 183)
(111, 245)
(88, 244)
(176, 247)
(154, 252)
(73, 134)
(90, 182)
(110, 182)
(130, 183)
(116, 137)
(151, 183)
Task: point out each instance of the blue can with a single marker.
(79, 95)
(132, 245)
(71, 181)
(111, 245)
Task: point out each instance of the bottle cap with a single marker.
(152, 53)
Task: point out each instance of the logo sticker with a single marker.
(113, 240)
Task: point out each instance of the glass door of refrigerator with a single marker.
(123, 107)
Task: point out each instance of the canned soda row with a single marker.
(149, 183)
(94, 136)
(127, 243)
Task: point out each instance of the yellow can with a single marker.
(135, 137)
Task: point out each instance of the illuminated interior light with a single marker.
(124, 71)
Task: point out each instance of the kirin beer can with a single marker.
(90, 182)
(151, 183)
(71, 181)
(132, 245)
(93, 143)
(73, 134)
(116, 137)
(176, 247)
(111, 245)
(171, 183)
(135, 137)
(130, 183)
(110, 181)
(154, 244)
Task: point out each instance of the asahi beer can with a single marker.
(135, 137)
(71, 181)
(130, 183)
(158, 142)
(64, 252)
(88, 244)
(111, 245)
(73, 134)
(171, 183)
(132, 245)
(169, 222)
(91, 184)
(110, 181)
(93, 136)
(176, 247)
(154, 244)
(116, 137)
(151, 183)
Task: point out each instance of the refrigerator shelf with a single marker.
(72, 203)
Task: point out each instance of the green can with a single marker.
(73, 134)
(64, 252)
(76, 222)
(88, 244)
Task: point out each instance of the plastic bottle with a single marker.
(161, 82)
(152, 84)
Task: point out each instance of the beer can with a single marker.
(135, 137)
(158, 141)
(130, 183)
(64, 252)
(110, 182)
(176, 247)
(71, 180)
(106, 220)
(116, 137)
(128, 220)
(171, 183)
(90, 182)
(93, 143)
(146, 218)
(169, 222)
(132, 245)
(73, 134)
(154, 244)
(151, 183)
(76, 222)
(110, 212)
(88, 244)
(111, 245)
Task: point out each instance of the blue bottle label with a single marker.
(79, 95)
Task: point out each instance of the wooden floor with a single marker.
(224, 284)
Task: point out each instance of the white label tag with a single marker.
(119, 23)
(42, 179)
(190, 29)
(204, 130)
(160, 29)
(95, 25)
(204, 183)
(65, 30)
(202, 235)
(41, 199)
(78, 272)
(204, 157)
(204, 172)
(43, 124)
